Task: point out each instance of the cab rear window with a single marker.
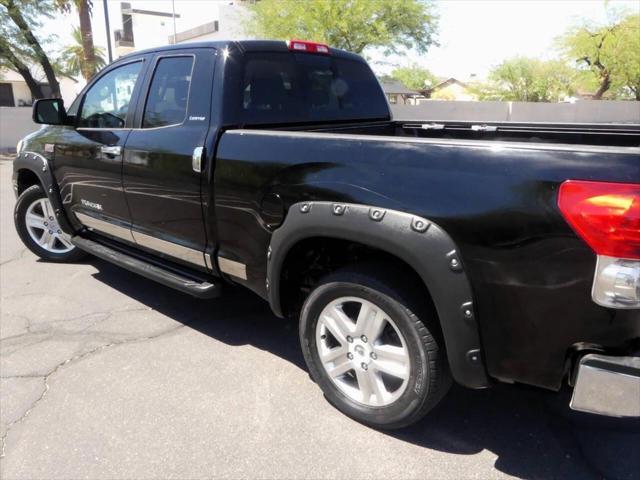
(290, 87)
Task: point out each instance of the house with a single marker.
(231, 20)
(14, 91)
(397, 93)
(450, 89)
(152, 29)
(143, 28)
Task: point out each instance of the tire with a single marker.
(387, 401)
(53, 244)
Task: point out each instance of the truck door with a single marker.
(161, 179)
(88, 156)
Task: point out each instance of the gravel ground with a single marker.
(107, 375)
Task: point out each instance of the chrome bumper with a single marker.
(608, 385)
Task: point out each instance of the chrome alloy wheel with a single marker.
(43, 227)
(363, 351)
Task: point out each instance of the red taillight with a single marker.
(309, 47)
(605, 215)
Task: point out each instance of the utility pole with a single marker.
(106, 22)
(173, 9)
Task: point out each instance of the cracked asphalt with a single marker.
(107, 375)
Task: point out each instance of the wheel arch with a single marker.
(25, 179)
(31, 168)
(419, 243)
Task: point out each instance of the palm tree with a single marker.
(88, 65)
(74, 58)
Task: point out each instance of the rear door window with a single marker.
(168, 95)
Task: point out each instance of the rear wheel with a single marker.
(373, 348)
(38, 228)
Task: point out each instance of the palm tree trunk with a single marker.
(89, 64)
(14, 12)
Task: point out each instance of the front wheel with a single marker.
(373, 347)
(38, 228)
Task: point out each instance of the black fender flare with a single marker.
(41, 167)
(419, 242)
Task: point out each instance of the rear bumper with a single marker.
(608, 385)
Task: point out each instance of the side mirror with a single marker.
(49, 111)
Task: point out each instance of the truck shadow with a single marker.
(532, 433)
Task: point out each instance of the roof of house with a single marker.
(391, 86)
(444, 84)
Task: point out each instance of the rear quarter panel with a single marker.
(531, 276)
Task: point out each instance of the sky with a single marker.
(474, 35)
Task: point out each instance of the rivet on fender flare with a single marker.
(376, 214)
(305, 207)
(338, 209)
(474, 357)
(419, 224)
(467, 310)
(454, 262)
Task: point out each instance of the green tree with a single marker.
(73, 57)
(20, 47)
(349, 24)
(414, 77)
(628, 64)
(528, 80)
(609, 53)
(89, 65)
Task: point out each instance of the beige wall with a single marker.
(451, 110)
(580, 112)
(15, 123)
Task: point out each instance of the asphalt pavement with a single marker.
(107, 375)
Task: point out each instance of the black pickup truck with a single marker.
(412, 253)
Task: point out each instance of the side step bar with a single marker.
(200, 289)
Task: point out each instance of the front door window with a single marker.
(106, 104)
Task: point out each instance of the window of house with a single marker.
(107, 102)
(6, 95)
(169, 92)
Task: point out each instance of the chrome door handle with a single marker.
(111, 150)
(196, 159)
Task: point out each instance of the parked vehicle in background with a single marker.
(411, 253)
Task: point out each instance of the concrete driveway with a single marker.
(108, 375)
